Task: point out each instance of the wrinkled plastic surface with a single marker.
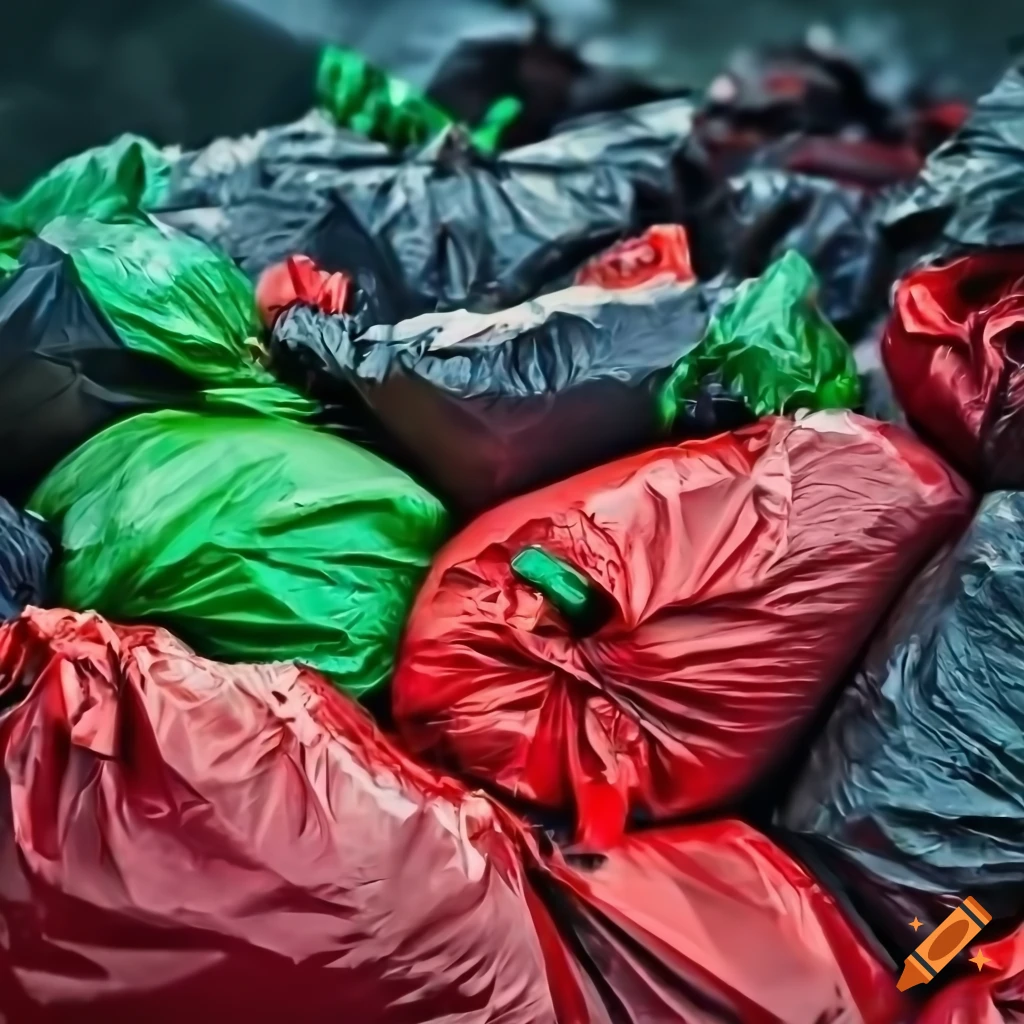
(753, 219)
(182, 839)
(64, 373)
(660, 253)
(500, 228)
(712, 923)
(953, 352)
(122, 178)
(912, 794)
(969, 194)
(173, 297)
(26, 554)
(714, 556)
(253, 539)
(771, 347)
(486, 406)
(299, 279)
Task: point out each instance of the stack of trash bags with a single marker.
(447, 582)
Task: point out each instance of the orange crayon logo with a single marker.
(960, 928)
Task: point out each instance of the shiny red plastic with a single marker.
(954, 350)
(299, 279)
(660, 253)
(186, 841)
(740, 575)
(713, 923)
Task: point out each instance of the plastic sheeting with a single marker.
(912, 793)
(500, 228)
(660, 253)
(713, 924)
(179, 837)
(254, 539)
(969, 194)
(952, 349)
(64, 373)
(26, 554)
(489, 405)
(740, 575)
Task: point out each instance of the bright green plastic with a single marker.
(368, 100)
(772, 347)
(122, 178)
(564, 586)
(173, 297)
(253, 539)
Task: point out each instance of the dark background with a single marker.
(74, 73)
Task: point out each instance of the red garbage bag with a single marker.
(299, 279)
(954, 349)
(661, 253)
(992, 994)
(709, 596)
(182, 840)
(713, 924)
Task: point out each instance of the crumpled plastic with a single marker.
(501, 228)
(486, 406)
(180, 837)
(952, 351)
(911, 796)
(123, 178)
(713, 923)
(64, 372)
(969, 193)
(253, 539)
(26, 558)
(171, 296)
(300, 280)
(661, 253)
(755, 218)
(710, 558)
(771, 348)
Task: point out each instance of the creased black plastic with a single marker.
(26, 553)
(469, 231)
(970, 193)
(754, 218)
(64, 373)
(486, 406)
(912, 795)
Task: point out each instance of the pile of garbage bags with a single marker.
(459, 564)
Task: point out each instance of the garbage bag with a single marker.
(969, 194)
(755, 218)
(254, 539)
(368, 100)
(952, 351)
(475, 401)
(64, 372)
(771, 346)
(170, 296)
(122, 178)
(687, 611)
(912, 794)
(26, 556)
(181, 837)
(711, 924)
(661, 253)
(468, 230)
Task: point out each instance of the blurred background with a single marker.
(74, 73)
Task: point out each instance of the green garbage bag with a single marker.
(127, 175)
(169, 295)
(770, 346)
(252, 538)
(366, 99)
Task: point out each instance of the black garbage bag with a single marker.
(64, 372)
(754, 218)
(468, 230)
(486, 406)
(912, 795)
(26, 554)
(970, 193)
